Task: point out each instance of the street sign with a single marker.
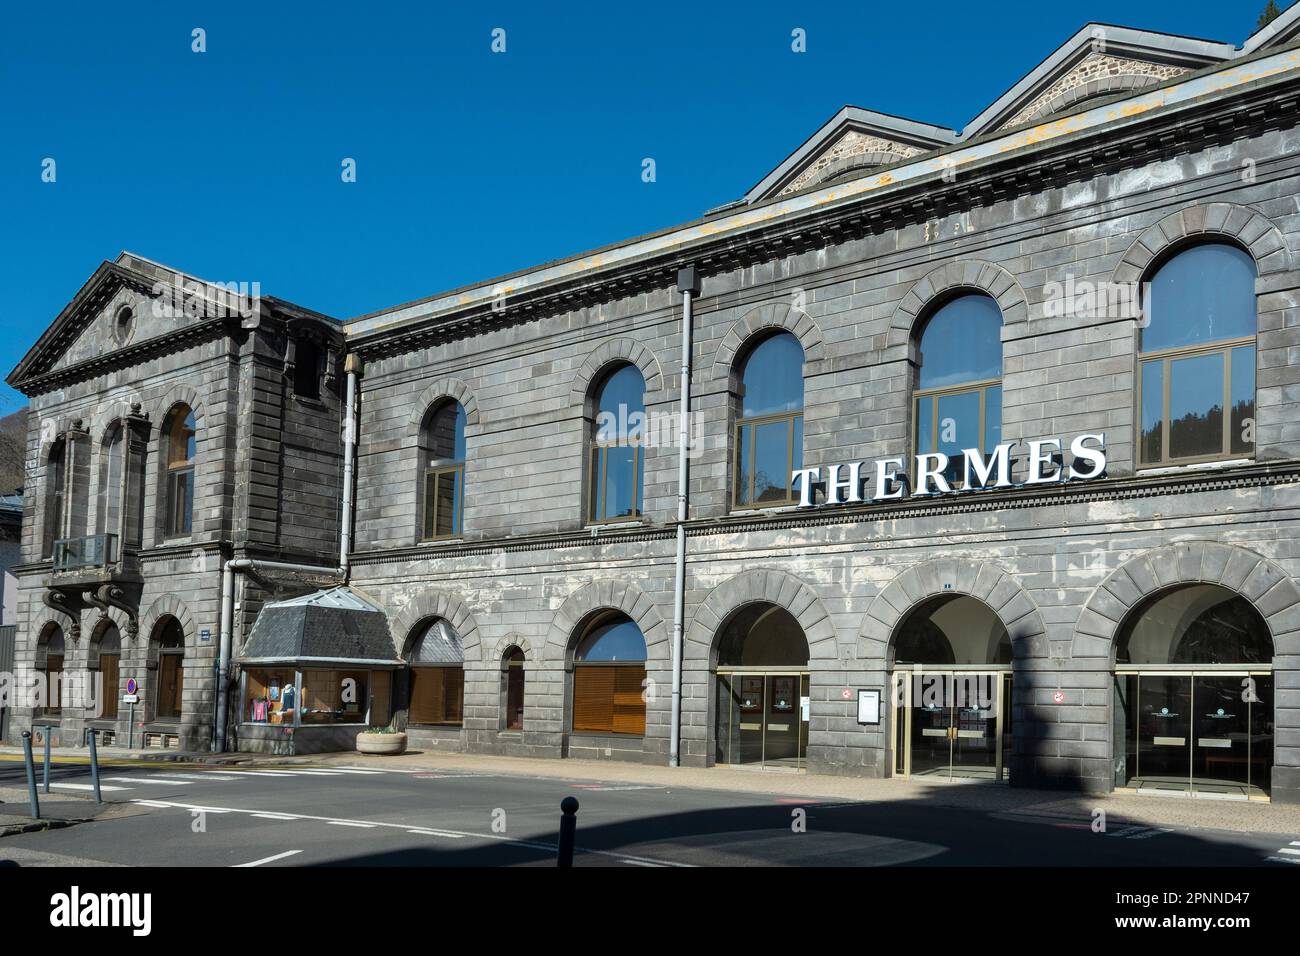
(205, 635)
(131, 687)
(131, 699)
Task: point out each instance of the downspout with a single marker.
(688, 284)
(236, 565)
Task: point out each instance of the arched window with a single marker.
(1197, 358)
(617, 455)
(55, 477)
(108, 649)
(180, 440)
(111, 484)
(436, 669)
(769, 426)
(512, 689)
(609, 677)
(442, 464)
(170, 641)
(952, 629)
(958, 399)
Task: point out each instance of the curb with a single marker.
(35, 826)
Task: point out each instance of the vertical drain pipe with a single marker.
(230, 568)
(688, 284)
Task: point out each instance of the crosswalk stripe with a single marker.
(438, 833)
(84, 786)
(158, 780)
(372, 773)
(349, 823)
(270, 859)
(258, 773)
(1290, 852)
(274, 816)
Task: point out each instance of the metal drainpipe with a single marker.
(231, 567)
(688, 284)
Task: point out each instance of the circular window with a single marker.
(124, 324)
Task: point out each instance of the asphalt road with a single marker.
(301, 816)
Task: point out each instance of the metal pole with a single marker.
(45, 767)
(568, 830)
(688, 283)
(130, 728)
(94, 764)
(31, 774)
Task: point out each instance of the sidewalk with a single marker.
(988, 798)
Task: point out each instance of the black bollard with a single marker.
(45, 767)
(568, 830)
(31, 774)
(94, 764)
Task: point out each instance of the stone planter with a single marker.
(368, 743)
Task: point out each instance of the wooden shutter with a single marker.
(629, 705)
(426, 695)
(108, 669)
(593, 699)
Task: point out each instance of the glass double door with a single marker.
(1207, 734)
(952, 724)
(762, 719)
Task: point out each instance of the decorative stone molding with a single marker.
(113, 618)
(498, 652)
(433, 603)
(768, 586)
(609, 353)
(613, 595)
(854, 148)
(1269, 588)
(169, 605)
(773, 316)
(1096, 73)
(443, 388)
(979, 579)
(974, 275)
(1242, 224)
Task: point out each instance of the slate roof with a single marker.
(334, 626)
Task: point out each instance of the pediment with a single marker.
(1099, 60)
(853, 141)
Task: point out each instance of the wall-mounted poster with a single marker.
(869, 706)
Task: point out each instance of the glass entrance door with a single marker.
(762, 719)
(951, 724)
(1208, 734)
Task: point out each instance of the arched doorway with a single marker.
(169, 648)
(762, 688)
(1193, 702)
(108, 648)
(952, 691)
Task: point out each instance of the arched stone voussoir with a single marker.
(617, 351)
(768, 586)
(436, 603)
(770, 317)
(614, 595)
(1261, 581)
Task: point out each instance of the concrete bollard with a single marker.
(568, 831)
(31, 774)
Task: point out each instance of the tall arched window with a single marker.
(958, 399)
(55, 476)
(609, 677)
(1197, 358)
(442, 470)
(436, 696)
(108, 649)
(180, 438)
(769, 427)
(617, 453)
(52, 669)
(111, 473)
(170, 641)
(512, 689)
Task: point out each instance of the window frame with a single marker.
(944, 391)
(176, 475)
(619, 669)
(434, 468)
(56, 473)
(754, 423)
(1166, 357)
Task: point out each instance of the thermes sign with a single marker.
(935, 474)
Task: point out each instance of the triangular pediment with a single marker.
(1099, 61)
(854, 141)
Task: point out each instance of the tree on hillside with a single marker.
(1271, 13)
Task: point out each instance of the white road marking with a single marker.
(501, 838)
(438, 833)
(158, 780)
(1289, 851)
(259, 773)
(272, 816)
(269, 859)
(1283, 859)
(384, 770)
(83, 786)
(350, 823)
(641, 863)
(192, 776)
(371, 773)
(1295, 842)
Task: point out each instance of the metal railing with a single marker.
(91, 551)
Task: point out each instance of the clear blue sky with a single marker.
(469, 164)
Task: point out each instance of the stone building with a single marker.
(992, 467)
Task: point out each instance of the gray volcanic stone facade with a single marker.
(852, 276)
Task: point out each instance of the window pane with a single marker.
(334, 697)
(447, 505)
(597, 488)
(620, 478)
(616, 639)
(443, 438)
(925, 424)
(773, 377)
(1196, 406)
(743, 476)
(1243, 400)
(772, 461)
(962, 342)
(1153, 416)
(796, 450)
(622, 396)
(959, 428)
(992, 417)
(1202, 295)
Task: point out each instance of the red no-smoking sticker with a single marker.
(846, 694)
(1059, 697)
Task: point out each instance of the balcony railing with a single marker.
(92, 551)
